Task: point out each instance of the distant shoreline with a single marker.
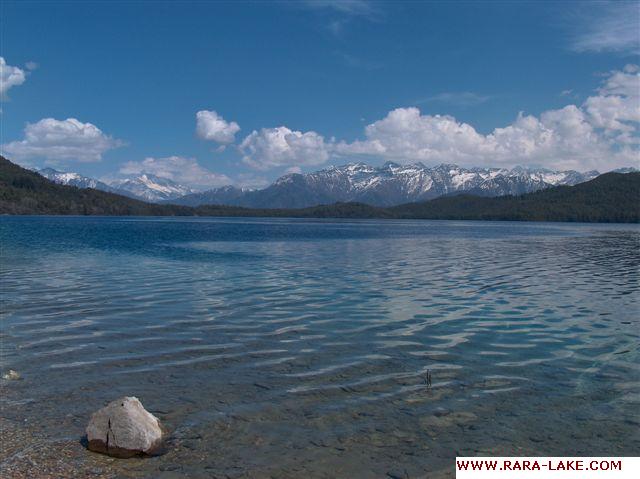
(608, 198)
(256, 217)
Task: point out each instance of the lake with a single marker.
(301, 348)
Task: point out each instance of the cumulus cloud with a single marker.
(186, 171)
(10, 76)
(616, 108)
(56, 140)
(276, 147)
(211, 126)
(601, 133)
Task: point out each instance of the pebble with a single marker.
(12, 375)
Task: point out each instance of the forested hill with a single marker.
(25, 192)
(612, 197)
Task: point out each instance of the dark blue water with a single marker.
(300, 348)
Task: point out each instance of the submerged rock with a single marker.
(124, 428)
(12, 375)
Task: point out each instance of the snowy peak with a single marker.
(387, 185)
(153, 188)
(145, 187)
(73, 179)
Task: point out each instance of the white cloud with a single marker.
(625, 82)
(558, 139)
(616, 108)
(186, 171)
(407, 135)
(211, 126)
(613, 113)
(56, 140)
(607, 27)
(600, 134)
(10, 76)
(276, 147)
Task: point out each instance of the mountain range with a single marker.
(611, 197)
(388, 185)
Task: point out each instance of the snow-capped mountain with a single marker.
(152, 188)
(144, 187)
(71, 179)
(76, 179)
(388, 185)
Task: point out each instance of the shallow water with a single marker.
(293, 348)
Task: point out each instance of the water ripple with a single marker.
(280, 323)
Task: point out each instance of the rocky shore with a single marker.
(29, 453)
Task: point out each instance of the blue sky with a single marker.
(287, 87)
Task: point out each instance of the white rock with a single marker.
(12, 375)
(124, 428)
